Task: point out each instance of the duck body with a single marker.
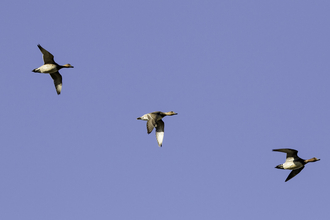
(154, 120)
(290, 165)
(293, 162)
(52, 68)
(47, 68)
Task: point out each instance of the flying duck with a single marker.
(293, 162)
(154, 119)
(52, 68)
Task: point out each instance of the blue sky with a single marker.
(245, 77)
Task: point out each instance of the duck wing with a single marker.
(160, 132)
(294, 173)
(289, 152)
(48, 57)
(151, 123)
(57, 81)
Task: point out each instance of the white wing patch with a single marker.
(160, 137)
(59, 88)
(160, 132)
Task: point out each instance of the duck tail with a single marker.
(279, 166)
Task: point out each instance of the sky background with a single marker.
(245, 77)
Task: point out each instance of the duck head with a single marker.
(314, 159)
(170, 113)
(67, 66)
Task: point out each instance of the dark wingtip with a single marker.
(287, 179)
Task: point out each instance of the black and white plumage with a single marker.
(154, 120)
(52, 68)
(293, 162)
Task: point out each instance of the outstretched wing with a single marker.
(57, 81)
(48, 57)
(151, 123)
(289, 152)
(160, 132)
(294, 173)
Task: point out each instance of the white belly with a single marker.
(48, 68)
(292, 165)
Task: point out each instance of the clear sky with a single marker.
(244, 76)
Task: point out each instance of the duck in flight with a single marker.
(51, 67)
(293, 162)
(154, 120)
